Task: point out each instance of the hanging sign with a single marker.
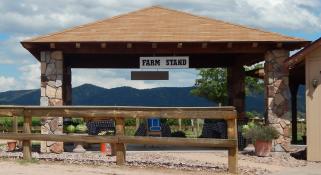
(165, 62)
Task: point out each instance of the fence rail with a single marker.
(119, 113)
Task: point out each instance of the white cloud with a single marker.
(7, 83)
(110, 78)
(23, 19)
(30, 76)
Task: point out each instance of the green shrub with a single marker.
(172, 122)
(178, 134)
(259, 132)
(130, 122)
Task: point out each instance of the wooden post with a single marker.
(137, 123)
(197, 127)
(120, 147)
(27, 143)
(294, 87)
(15, 124)
(180, 124)
(232, 152)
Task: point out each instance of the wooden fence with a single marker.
(119, 114)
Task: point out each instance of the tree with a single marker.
(212, 84)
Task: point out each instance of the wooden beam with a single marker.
(204, 45)
(179, 45)
(103, 45)
(120, 146)
(196, 142)
(129, 45)
(154, 45)
(59, 138)
(52, 45)
(232, 152)
(255, 44)
(27, 143)
(279, 45)
(116, 112)
(229, 45)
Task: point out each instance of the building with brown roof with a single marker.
(121, 41)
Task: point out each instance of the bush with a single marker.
(130, 122)
(178, 134)
(259, 132)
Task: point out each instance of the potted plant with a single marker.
(261, 136)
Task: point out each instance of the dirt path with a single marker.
(43, 168)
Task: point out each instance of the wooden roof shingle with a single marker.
(159, 24)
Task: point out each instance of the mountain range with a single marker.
(89, 94)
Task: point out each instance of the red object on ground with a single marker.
(103, 148)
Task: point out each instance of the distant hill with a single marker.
(88, 94)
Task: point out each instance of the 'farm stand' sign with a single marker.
(170, 62)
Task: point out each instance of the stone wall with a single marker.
(277, 96)
(52, 70)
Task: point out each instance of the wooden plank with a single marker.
(60, 138)
(232, 152)
(120, 146)
(195, 142)
(10, 111)
(142, 113)
(26, 142)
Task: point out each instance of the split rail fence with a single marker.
(119, 114)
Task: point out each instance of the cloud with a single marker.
(30, 76)
(110, 78)
(7, 83)
(23, 19)
(39, 17)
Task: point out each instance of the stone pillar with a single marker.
(277, 96)
(236, 88)
(52, 95)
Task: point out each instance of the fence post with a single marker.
(27, 143)
(120, 147)
(232, 152)
(15, 124)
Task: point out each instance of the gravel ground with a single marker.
(201, 162)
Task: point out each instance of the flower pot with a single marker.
(11, 145)
(262, 148)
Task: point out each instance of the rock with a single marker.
(50, 92)
(43, 68)
(278, 99)
(57, 55)
(59, 93)
(55, 102)
(53, 125)
(58, 83)
(278, 148)
(44, 101)
(51, 69)
(57, 148)
(43, 91)
(59, 67)
(79, 149)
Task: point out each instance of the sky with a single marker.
(23, 19)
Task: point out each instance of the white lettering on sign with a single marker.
(166, 62)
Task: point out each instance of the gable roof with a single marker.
(300, 56)
(159, 24)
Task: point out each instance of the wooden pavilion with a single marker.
(120, 41)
